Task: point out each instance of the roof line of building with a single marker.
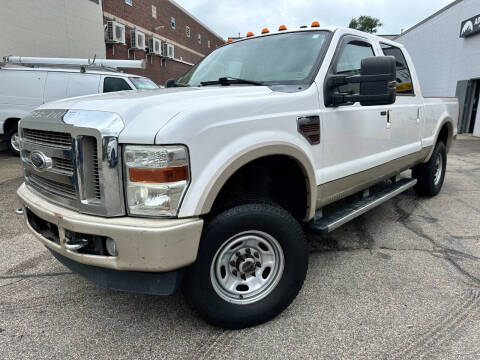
(195, 18)
(430, 17)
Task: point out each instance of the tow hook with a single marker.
(75, 245)
(19, 211)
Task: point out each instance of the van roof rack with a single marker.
(81, 64)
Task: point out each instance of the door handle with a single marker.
(387, 114)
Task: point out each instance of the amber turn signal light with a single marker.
(164, 175)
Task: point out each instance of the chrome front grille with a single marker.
(76, 165)
(49, 138)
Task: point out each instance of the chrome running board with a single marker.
(352, 210)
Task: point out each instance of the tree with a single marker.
(365, 23)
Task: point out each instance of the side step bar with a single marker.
(353, 210)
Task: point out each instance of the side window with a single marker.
(404, 78)
(111, 84)
(349, 62)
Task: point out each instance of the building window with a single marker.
(154, 11)
(172, 21)
(129, 2)
(199, 38)
(209, 44)
(188, 31)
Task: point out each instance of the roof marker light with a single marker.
(282, 28)
(265, 31)
(315, 24)
(249, 34)
(230, 40)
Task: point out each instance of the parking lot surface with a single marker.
(400, 282)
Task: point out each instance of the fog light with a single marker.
(111, 247)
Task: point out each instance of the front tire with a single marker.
(251, 264)
(430, 175)
(13, 141)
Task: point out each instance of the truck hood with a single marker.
(145, 112)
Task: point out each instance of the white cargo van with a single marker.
(22, 89)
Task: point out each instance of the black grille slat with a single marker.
(54, 186)
(95, 172)
(49, 138)
(63, 164)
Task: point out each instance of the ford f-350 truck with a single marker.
(211, 183)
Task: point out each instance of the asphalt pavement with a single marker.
(400, 282)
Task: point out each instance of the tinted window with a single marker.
(349, 63)
(112, 84)
(404, 78)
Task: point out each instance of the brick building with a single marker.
(166, 21)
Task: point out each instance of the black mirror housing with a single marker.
(377, 81)
(170, 83)
(382, 91)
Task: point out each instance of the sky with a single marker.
(230, 17)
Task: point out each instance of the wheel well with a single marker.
(445, 135)
(10, 124)
(277, 178)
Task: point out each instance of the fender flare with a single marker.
(450, 137)
(216, 184)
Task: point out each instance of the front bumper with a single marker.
(144, 245)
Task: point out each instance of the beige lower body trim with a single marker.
(143, 244)
(349, 185)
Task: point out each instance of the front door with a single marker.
(357, 138)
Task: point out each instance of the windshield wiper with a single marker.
(231, 80)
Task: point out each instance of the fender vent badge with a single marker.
(309, 127)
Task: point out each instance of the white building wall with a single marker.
(52, 28)
(440, 56)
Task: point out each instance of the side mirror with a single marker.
(377, 81)
(170, 83)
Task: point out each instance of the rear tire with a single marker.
(13, 142)
(251, 264)
(430, 175)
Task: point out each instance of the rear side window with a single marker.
(350, 61)
(404, 78)
(112, 84)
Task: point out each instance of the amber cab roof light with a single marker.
(282, 28)
(249, 34)
(265, 31)
(230, 40)
(315, 24)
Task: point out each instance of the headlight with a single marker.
(157, 178)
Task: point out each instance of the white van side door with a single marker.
(83, 84)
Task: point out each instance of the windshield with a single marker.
(287, 58)
(143, 83)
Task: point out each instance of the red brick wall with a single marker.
(140, 14)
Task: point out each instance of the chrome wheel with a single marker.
(15, 142)
(247, 267)
(438, 169)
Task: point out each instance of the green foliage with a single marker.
(365, 23)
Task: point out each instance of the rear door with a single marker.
(405, 115)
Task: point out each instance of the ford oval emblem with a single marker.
(40, 161)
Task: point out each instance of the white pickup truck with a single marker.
(212, 182)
